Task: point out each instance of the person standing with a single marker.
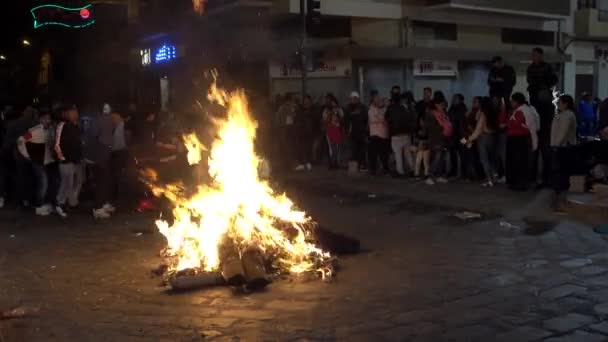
(35, 147)
(519, 145)
(304, 124)
(401, 118)
(541, 80)
(101, 148)
(379, 138)
(357, 128)
(335, 137)
(285, 119)
(484, 135)
(501, 137)
(587, 116)
(440, 131)
(457, 114)
(120, 160)
(563, 138)
(68, 147)
(501, 80)
(427, 98)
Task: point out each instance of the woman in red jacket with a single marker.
(519, 146)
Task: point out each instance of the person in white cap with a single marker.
(356, 123)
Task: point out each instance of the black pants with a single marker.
(506, 97)
(304, 149)
(358, 150)
(120, 175)
(518, 156)
(561, 168)
(104, 183)
(23, 179)
(378, 148)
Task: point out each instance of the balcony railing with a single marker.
(541, 7)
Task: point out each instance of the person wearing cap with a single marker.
(356, 124)
(501, 80)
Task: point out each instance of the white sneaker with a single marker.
(108, 208)
(502, 180)
(59, 210)
(487, 184)
(1, 202)
(48, 207)
(300, 167)
(100, 214)
(442, 180)
(42, 211)
(429, 181)
(308, 166)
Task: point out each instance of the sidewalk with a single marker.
(456, 196)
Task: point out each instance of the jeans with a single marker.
(486, 144)
(440, 165)
(378, 148)
(42, 183)
(358, 150)
(518, 152)
(72, 177)
(401, 148)
(501, 153)
(334, 155)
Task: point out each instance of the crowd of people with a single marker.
(504, 137)
(47, 154)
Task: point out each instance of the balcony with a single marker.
(549, 9)
(590, 23)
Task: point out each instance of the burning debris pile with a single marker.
(235, 230)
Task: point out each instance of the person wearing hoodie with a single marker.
(379, 142)
(563, 138)
(100, 146)
(68, 147)
(35, 147)
(356, 123)
(402, 120)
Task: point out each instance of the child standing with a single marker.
(335, 137)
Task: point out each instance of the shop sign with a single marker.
(429, 67)
(322, 68)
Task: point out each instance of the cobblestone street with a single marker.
(424, 275)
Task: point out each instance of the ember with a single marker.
(236, 224)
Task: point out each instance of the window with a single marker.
(435, 31)
(527, 37)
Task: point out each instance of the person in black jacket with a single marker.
(304, 126)
(402, 121)
(541, 80)
(501, 80)
(356, 124)
(68, 147)
(458, 116)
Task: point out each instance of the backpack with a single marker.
(445, 123)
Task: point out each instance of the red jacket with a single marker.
(334, 133)
(516, 125)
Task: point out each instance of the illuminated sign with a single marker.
(165, 53)
(146, 57)
(55, 15)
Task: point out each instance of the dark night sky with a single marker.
(16, 22)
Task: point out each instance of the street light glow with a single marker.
(2, 57)
(26, 42)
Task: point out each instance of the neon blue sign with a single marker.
(165, 53)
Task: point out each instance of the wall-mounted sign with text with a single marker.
(322, 68)
(165, 53)
(425, 67)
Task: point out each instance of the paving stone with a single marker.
(470, 333)
(601, 309)
(288, 305)
(601, 327)
(598, 295)
(599, 256)
(598, 281)
(504, 280)
(523, 334)
(536, 263)
(578, 336)
(568, 322)
(562, 291)
(590, 270)
(249, 314)
(220, 322)
(578, 262)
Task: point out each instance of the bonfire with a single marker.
(236, 214)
